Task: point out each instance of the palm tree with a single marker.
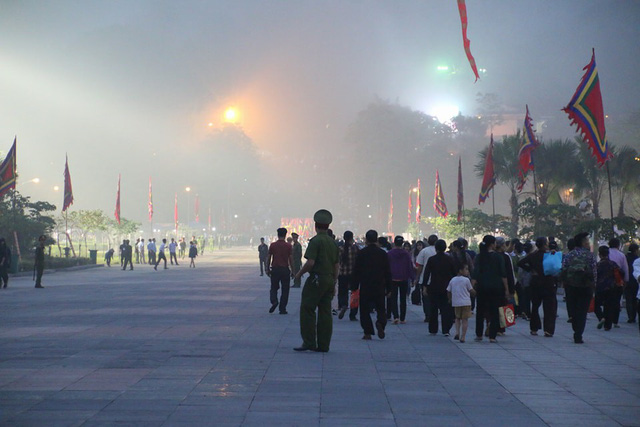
(591, 180)
(556, 167)
(625, 174)
(505, 164)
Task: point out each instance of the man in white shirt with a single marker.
(143, 258)
(151, 247)
(172, 251)
(421, 261)
(161, 255)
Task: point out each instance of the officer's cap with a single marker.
(323, 216)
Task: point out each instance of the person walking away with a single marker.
(347, 256)
(263, 253)
(402, 273)
(579, 273)
(296, 253)
(322, 265)
(570, 246)
(459, 292)
(606, 303)
(108, 256)
(279, 266)
(543, 290)
(5, 263)
(142, 250)
(128, 255)
(161, 255)
(372, 275)
(439, 271)
(173, 246)
(39, 261)
(618, 257)
(193, 253)
(503, 249)
(421, 262)
(489, 279)
(524, 282)
(183, 247)
(122, 247)
(137, 251)
(631, 288)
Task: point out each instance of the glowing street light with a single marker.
(187, 189)
(231, 115)
(443, 68)
(56, 188)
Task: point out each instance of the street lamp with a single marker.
(56, 188)
(188, 190)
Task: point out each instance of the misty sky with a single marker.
(130, 86)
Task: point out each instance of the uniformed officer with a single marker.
(322, 264)
(297, 258)
(39, 261)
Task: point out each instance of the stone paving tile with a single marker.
(193, 347)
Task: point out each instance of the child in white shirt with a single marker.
(460, 292)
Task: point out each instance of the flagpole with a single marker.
(493, 203)
(610, 198)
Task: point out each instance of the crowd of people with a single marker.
(451, 282)
(153, 254)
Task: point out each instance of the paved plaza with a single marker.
(190, 347)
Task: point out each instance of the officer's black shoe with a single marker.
(273, 307)
(303, 348)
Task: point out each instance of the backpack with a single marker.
(552, 263)
(579, 271)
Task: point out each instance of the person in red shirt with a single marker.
(279, 266)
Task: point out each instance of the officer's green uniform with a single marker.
(318, 289)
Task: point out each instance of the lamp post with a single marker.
(188, 190)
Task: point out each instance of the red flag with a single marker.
(150, 201)
(438, 199)
(410, 207)
(489, 178)
(68, 191)
(197, 208)
(8, 170)
(175, 213)
(585, 110)
(117, 211)
(390, 221)
(462, 8)
(460, 190)
(528, 144)
(418, 205)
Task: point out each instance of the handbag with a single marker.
(354, 301)
(507, 316)
(416, 298)
(592, 305)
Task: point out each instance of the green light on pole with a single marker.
(443, 68)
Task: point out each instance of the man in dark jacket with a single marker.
(39, 262)
(440, 269)
(372, 275)
(5, 262)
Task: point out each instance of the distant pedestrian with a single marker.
(173, 246)
(5, 263)
(279, 265)
(438, 272)
(183, 247)
(151, 247)
(402, 273)
(128, 255)
(142, 250)
(618, 257)
(263, 253)
(631, 289)
(121, 252)
(108, 256)
(193, 253)
(39, 261)
(421, 262)
(347, 256)
(607, 281)
(579, 273)
(161, 255)
(137, 250)
(459, 292)
(296, 253)
(372, 275)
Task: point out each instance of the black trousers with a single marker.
(39, 273)
(617, 294)
(440, 303)
(280, 276)
(578, 300)
(426, 305)
(127, 260)
(263, 266)
(487, 306)
(630, 292)
(367, 304)
(543, 293)
(172, 256)
(400, 288)
(4, 276)
(160, 258)
(152, 257)
(345, 284)
(605, 306)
